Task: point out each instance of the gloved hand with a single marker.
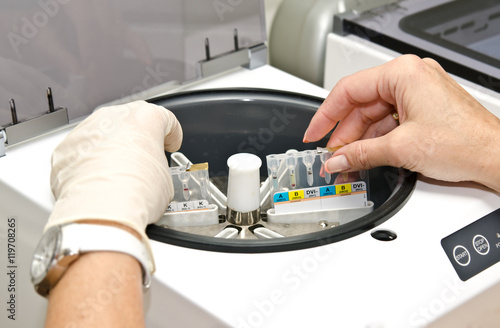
(112, 167)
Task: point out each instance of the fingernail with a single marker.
(333, 149)
(304, 140)
(337, 164)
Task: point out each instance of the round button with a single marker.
(461, 255)
(481, 244)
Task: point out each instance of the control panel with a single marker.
(475, 247)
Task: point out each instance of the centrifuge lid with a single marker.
(462, 35)
(91, 53)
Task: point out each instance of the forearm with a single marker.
(122, 181)
(100, 289)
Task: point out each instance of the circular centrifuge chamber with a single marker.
(220, 123)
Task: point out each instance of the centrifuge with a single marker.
(381, 248)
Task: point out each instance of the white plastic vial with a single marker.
(243, 190)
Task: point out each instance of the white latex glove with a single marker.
(112, 167)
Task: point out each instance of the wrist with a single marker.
(489, 173)
(62, 245)
(90, 297)
(110, 223)
(487, 156)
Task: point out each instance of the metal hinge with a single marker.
(19, 131)
(251, 58)
(3, 138)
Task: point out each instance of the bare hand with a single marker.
(443, 132)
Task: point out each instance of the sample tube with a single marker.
(308, 160)
(203, 178)
(184, 177)
(243, 189)
(291, 163)
(272, 165)
(325, 157)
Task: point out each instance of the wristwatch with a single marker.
(61, 245)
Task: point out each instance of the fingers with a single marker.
(362, 155)
(173, 133)
(382, 127)
(161, 118)
(369, 96)
(145, 117)
(368, 121)
(360, 99)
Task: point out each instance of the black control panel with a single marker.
(475, 247)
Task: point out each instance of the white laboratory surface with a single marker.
(359, 282)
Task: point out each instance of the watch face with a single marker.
(44, 253)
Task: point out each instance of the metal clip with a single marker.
(239, 56)
(23, 130)
(3, 140)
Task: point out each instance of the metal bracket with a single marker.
(36, 126)
(3, 139)
(224, 62)
(24, 130)
(258, 56)
(251, 58)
